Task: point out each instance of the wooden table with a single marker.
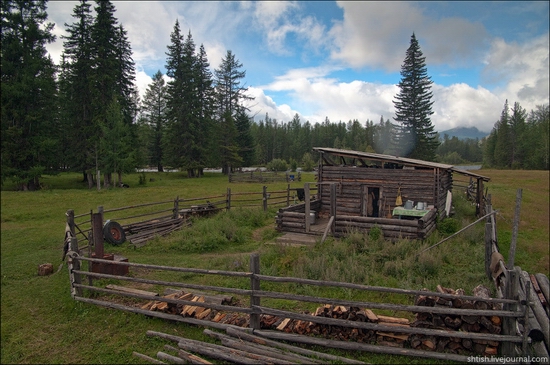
(415, 213)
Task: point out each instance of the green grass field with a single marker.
(42, 324)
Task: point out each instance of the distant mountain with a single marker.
(463, 133)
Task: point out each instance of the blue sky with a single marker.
(341, 60)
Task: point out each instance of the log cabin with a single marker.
(357, 191)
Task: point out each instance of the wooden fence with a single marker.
(141, 222)
(513, 309)
(524, 318)
(511, 282)
(263, 176)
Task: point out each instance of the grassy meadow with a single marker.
(40, 323)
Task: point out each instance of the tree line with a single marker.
(85, 114)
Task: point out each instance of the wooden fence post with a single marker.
(288, 195)
(509, 323)
(488, 250)
(100, 210)
(264, 192)
(307, 205)
(74, 264)
(175, 214)
(515, 228)
(70, 222)
(333, 205)
(97, 231)
(228, 199)
(254, 285)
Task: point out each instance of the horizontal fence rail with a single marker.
(512, 309)
(178, 208)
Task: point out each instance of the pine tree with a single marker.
(30, 128)
(230, 95)
(244, 139)
(205, 110)
(517, 136)
(154, 115)
(503, 153)
(76, 90)
(183, 106)
(416, 135)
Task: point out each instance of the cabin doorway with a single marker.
(370, 206)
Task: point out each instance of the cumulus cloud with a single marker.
(520, 71)
(376, 34)
(460, 105)
(278, 20)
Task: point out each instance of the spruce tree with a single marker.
(182, 102)
(76, 85)
(413, 107)
(30, 128)
(205, 97)
(154, 112)
(502, 151)
(230, 95)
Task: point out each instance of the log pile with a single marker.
(238, 347)
(389, 338)
(449, 322)
(140, 233)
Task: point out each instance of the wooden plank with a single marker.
(393, 319)
(131, 290)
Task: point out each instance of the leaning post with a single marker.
(254, 285)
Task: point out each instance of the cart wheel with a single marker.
(113, 233)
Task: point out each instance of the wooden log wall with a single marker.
(293, 218)
(426, 185)
(391, 228)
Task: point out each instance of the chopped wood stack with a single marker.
(391, 338)
(343, 333)
(195, 311)
(450, 322)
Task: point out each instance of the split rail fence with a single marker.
(511, 282)
(143, 222)
(513, 309)
(524, 328)
(264, 176)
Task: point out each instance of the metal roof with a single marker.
(396, 159)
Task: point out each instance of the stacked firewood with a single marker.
(196, 311)
(396, 338)
(343, 333)
(450, 322)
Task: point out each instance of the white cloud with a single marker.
(376, 35)
(522, 71)
(278, 20)
(460, 105)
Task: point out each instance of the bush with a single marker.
(307, 162)
(277, 165)
(448, 226)
(293, 164)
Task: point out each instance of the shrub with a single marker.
(448, 226)
(277, 165)
(307, 162)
